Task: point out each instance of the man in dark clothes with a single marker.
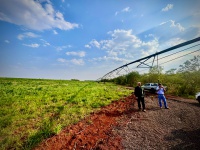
(139, 94)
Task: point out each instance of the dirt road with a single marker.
(121, 126)
(174, 128)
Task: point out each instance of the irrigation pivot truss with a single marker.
(144, 62)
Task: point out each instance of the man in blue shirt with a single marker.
(161, 91)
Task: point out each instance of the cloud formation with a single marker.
(35, 45)
(177, 25)
(174, 41)
(168, 7)
(72, 61)
(27, 35)
(80, 54)
(107, 58)
(125, 44)
(36, 15)
(174, 24)
(60, 48)
(95, 43)
(55, 32)
(77, 61)
(45, 43)
(126, 9)
(87, 46)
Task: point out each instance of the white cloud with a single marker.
(72, 61)
(6, 41)
(33, 15)
(174, 25)
(127, 9)
(45, 43)
(95, 43)
(177, 25)
(27, 35)
(80, 54)
(60, 48)
(77, 61)
(107, 58)
(150, 46)
(149, 35)
(61, 60)
(174, 41)
(32, 45)
(162, 23)
(87, 46)
(55, 32)
(168, 7)
(127, 45)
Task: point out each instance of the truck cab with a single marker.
(150, 87)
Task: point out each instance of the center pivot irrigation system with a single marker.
(192, 46)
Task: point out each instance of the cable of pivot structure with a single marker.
(174, 53)
(180, 56)
(174, 59)
(179, 51)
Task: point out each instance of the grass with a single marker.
(34, 109)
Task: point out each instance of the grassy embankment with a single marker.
(34, 109)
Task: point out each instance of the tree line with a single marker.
(182, 81)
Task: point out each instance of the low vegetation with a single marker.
(34, 109)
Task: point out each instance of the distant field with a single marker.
(34, 109)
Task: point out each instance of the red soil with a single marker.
(93, 132)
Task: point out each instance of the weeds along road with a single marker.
(121, 126)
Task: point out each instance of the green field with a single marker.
(34, 109)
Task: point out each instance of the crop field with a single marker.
(34, 109)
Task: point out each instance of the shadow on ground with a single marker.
(190, 140)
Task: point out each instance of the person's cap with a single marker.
(159, 84)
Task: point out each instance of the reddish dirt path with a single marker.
(94, 132)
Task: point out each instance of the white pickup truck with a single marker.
(151, 87)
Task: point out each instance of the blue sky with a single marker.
(85, 39)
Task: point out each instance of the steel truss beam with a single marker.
(143, 60)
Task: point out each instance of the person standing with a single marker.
(161, 91)
(139, 94)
